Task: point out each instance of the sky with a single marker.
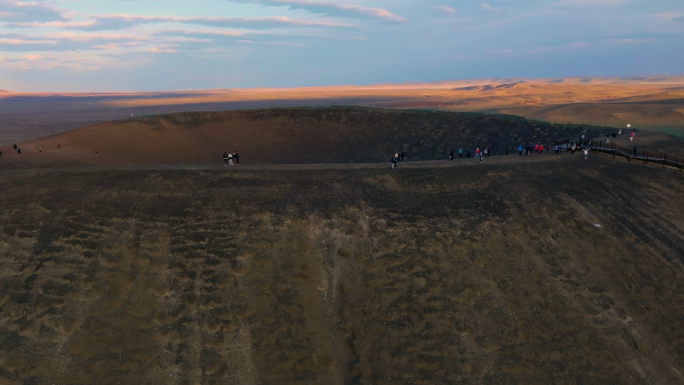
(165, 45)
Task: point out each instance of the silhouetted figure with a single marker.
(15, 146)
(451, 155)
(225, 159)
(19, 151)
(237, 157)
(635, 152)
(460, 153)
(59, 146)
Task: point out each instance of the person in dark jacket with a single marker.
(237, 157)
(451, 155)
(225, 158)
(635, 152)
(468, 154)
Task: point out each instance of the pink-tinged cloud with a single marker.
(24, 11)
(124, 21)
(446, 9)
(333, 9)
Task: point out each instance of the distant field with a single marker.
(610, 101)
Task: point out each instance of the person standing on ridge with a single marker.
(394, 162)
(586, 152)
(15, 147)
(536, 149)
(237, 157)
(631, 136)
(635, 151)
(468, 154)
(508, 146)
(520, 150)
(451, 155)
(477, 152)
(59, 146)
(487, 151)
(225, 158)
(541, 148)
(460, 153)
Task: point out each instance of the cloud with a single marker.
(446, 9)
(588, 3)
(332, 9)
(505, 51)
(123, 21)
(58, 42)
(578, 44)
(631, 40)
(488, 7)
(668, 16)
(23, 11)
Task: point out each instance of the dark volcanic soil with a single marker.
(493, 274)
(284, 136)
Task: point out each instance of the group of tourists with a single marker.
(532, 148)
(480, 154)
(231, 159)
(399, 156)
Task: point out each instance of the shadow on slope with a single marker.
(287, 135)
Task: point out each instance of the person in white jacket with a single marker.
(586, 152)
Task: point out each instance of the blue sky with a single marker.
(141, 45)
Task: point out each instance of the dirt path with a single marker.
(313, 166)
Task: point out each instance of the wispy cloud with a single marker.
(488, 7)
(18, 11)
(446, 9)
(123, 21)
(588, 3)
(631, 40)
(332, 9)
(504, 51)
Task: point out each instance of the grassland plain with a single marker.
(495, 274)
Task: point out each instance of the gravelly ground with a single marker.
(463, 275)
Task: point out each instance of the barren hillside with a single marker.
(563, 272)
(289, 135)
